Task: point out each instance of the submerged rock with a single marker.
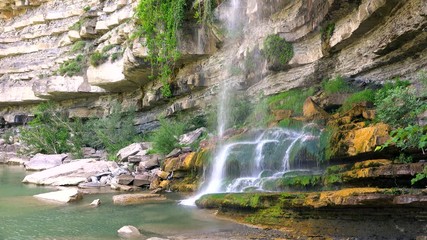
(129, 232)
(63, 196)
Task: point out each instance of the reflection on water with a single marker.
(24, 217)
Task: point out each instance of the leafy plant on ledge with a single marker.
(160, 21)
(277, 50)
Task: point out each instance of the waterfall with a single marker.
(265, 156)
(283, 141)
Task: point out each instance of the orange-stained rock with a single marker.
(312, 111)
(369, 114)
(164, 184)
(189, 161)
(366, 139)
(281, 114)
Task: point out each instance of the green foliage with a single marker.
(291, 124)
(72, 67)
(8, 135)
(51, 132)
(420, 176)
(336, 85)
(115, 56)
(107, 48)
(398, 106)
(290, 100)
(382, 93)
(112, 132)
(159, 22)
(78, 46)
(403, 158)
(78, 25)
(86, 8)
(278, 50)
(328, 31)
(240, 109)
(165, 138)
(260, 114)
(325, 142)
(410, 137)
(367, 95)
(301, 181)
(97, 58)
(204, 10)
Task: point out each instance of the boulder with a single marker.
(142, 180)
(174, 153)
(131, 150)
(191, 137)
(95, 203)
(63, 196)
(149, 162)
(129, 232)
(125, 179)
(138, 198)
(69, 174)
(42, 161)
(17, 161)
(312, 111)
(162, 174)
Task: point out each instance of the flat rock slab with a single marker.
(16, 161)
(138, 198)
(42, 161)
(69, 174)
(63, 196)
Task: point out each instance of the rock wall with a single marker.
(373, 41)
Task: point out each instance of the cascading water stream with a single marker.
(277, 136)
(257, 165)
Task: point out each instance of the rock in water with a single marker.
(95, 203)
(42, 161)
(129, 232)
(63, 196)
(70, 174)
(128, 199)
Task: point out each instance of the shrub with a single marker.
(107, 48)
(165, 138)
(410, 137)
(290, 100)
(112, 132)
(389, 86)
(72, 67)
(50, 132)
(162, 44)
(328, 31)
(367, 95)
(419, 176)
(116, 56)
(398, 106)
(278, 50)
(97, 58)
(77, 46)
(336, 85)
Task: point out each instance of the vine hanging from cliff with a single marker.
(159, 21)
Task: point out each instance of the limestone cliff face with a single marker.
(373, 40)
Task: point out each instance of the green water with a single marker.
(24, 217)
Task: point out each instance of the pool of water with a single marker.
(24, 217)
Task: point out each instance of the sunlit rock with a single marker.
(42, 161)
(129, 232)
(137, 198)
(63, 196)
